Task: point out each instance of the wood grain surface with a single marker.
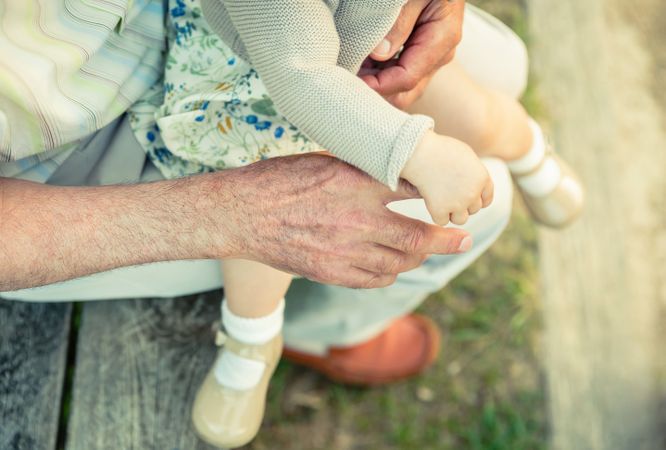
(33, 352)
(138, 366)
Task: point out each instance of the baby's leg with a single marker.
(252, 314)
(492, 123)
(229, 406)
(496, 125)
(253, 289)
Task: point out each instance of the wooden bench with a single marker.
(138, 365)
(601, 66)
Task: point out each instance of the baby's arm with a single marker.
(294, 46)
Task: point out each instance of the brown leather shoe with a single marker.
(405, 349)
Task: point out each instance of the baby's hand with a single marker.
(450, 177)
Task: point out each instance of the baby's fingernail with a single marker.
(383, 48)
(465, 244)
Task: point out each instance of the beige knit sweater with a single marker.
(307, 53)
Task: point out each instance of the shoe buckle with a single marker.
(220, 338)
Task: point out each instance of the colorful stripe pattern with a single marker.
(69, 67)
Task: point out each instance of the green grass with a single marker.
(484, 392)
(66, 401)
(486, 389)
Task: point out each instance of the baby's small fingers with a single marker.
(488, 193)
(439, 212)
(475, 207)
(459, 217)
(441, 219)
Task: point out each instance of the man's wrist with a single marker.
(210, 225)
(190, 218)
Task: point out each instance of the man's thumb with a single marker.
(399, 34)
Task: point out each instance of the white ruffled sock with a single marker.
(547, 177)
(236, 372)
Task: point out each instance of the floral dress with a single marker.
(212, 111)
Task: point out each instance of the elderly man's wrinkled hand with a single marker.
(321, 218)
(428, 31)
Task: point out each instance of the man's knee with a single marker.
(517, 61)
(493, 54)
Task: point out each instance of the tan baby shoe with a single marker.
(230, 418)
(561, 205)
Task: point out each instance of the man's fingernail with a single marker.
(465, 244)
(383, 48)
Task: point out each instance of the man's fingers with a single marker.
(391, 78)
(431, 45)
(398, 78)
(415, 237)
(403, 100)
(405, 191)
(448, 57)
(418, 239)
(420, 58)
(377, 266)
(386, 260)
(377, 280)
(399, 33)
(358, 278)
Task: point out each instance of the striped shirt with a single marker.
(67, 69)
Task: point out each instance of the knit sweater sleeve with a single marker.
(294, 46)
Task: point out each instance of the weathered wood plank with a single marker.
(33, 352)
(597, 62)
(139, 364)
